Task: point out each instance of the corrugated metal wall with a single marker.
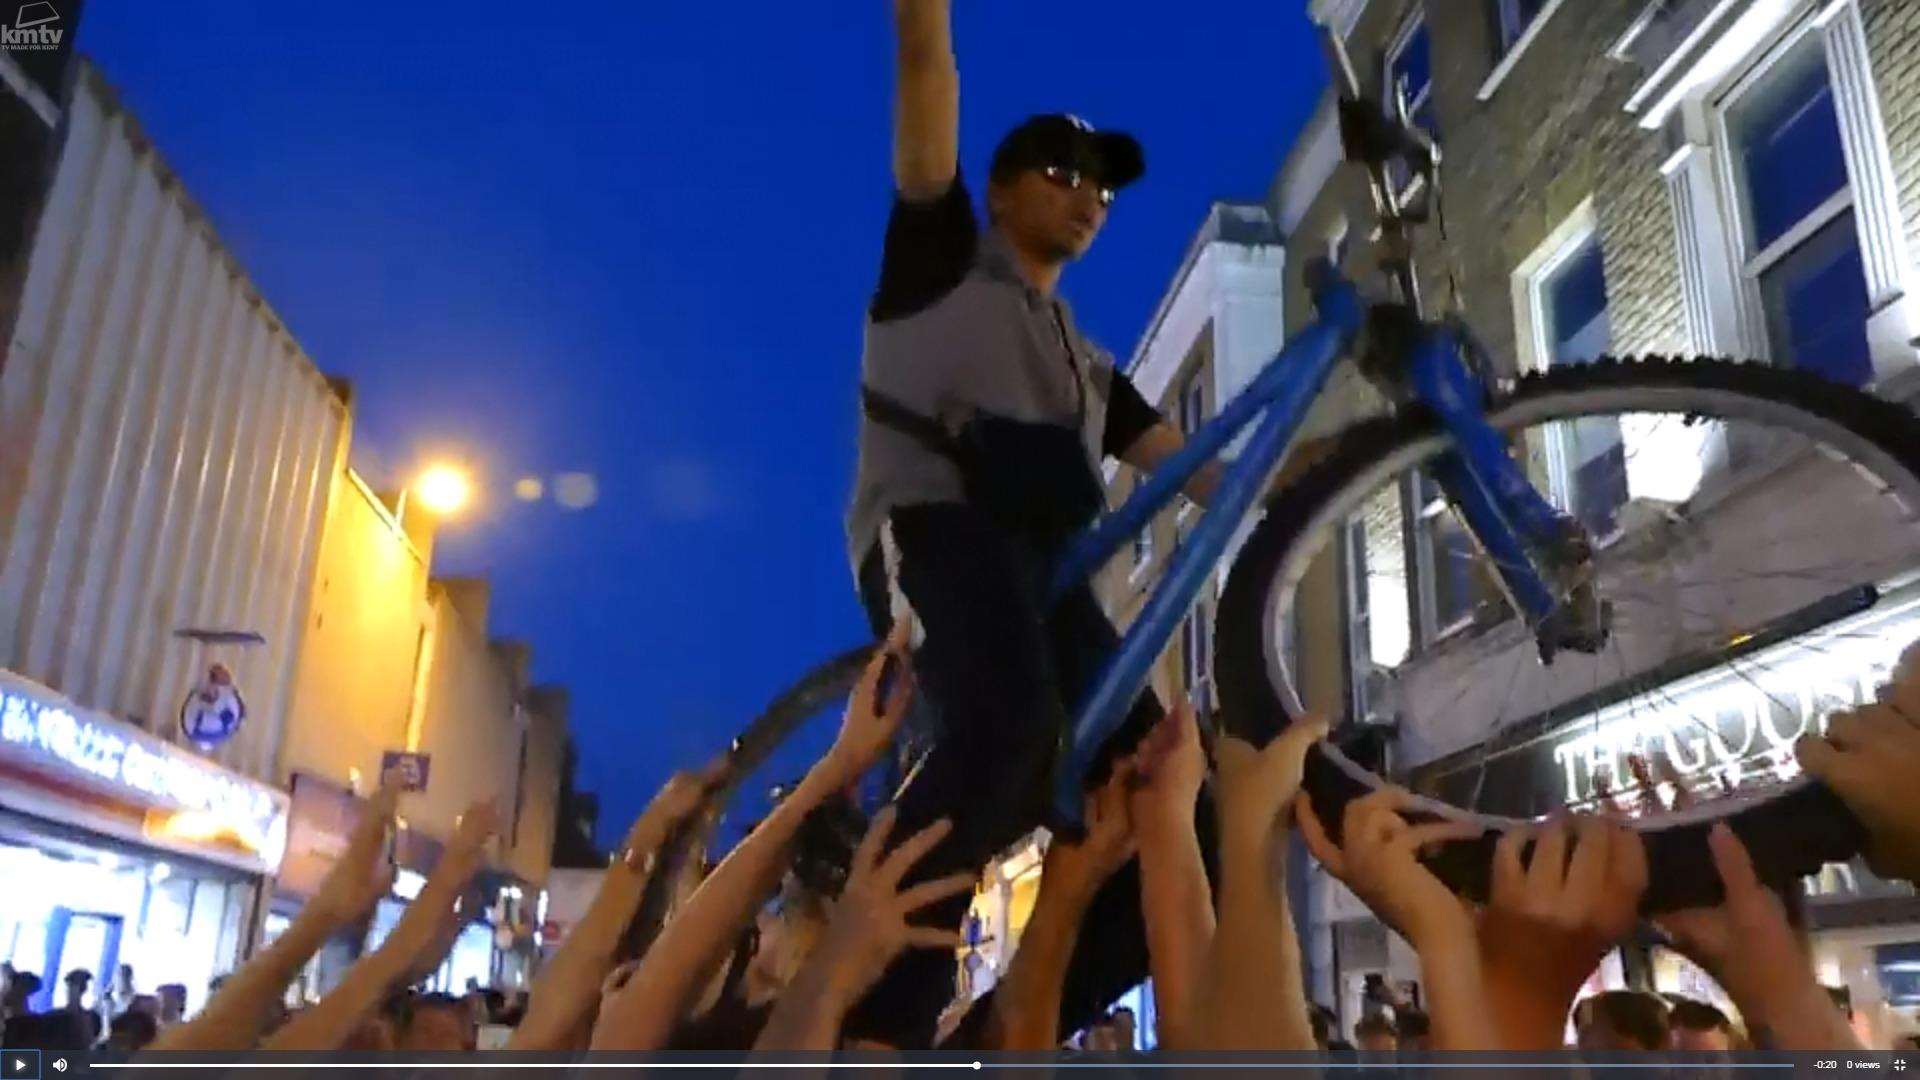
(165, 448)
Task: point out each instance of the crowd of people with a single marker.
(756, 957)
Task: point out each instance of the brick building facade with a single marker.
(1675, 151)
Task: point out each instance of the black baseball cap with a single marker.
(1113, 157)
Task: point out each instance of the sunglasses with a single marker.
(1072, 179)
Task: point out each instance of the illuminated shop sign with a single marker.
(189, 799)
(1730, 725)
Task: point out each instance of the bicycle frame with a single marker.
(1502, 509)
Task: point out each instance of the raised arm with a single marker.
(867, 929)
(416, 945)
(692, 946)
(567, 992)
(1250, 994)
(926, 133)
(237, 1015)
(1175, 896)
(1026, 1006)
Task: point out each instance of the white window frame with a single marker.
(1424, 567)
(1196, 646)
(1530, 280)
(1726, 313)
(1514, 45)
(1751, 265)
(1415, 21)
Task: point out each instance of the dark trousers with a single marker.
(1001, 676)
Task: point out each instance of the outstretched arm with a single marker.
(237, 1015)
(674, 970)
(1175, 897)
(926, 134)
(567, 991)
(1026, 1006)
(1159, 443)
(1250, 995)
(427, 925)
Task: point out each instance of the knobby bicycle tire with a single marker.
(1792, 833)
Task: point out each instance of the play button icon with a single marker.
(20, 1065)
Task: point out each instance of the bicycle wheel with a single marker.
(1757, 541)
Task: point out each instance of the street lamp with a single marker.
(444, 490)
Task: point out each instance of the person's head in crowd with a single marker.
(1375, 1034)
(123, 983)
(1697, 1027)
(787, 929)
(20, 986)
(1618, 1020)
(173, 1002)
(1121, 1021)
(1414, 1028)
(61, 1031)
(496, 1005)
(145, 1003)
(437, 1022)
(77, 982)
(131, 1031)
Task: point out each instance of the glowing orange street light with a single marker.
(443, 490)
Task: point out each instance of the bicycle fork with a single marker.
(1543, 559)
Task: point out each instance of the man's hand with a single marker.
(1750, 948)
(678, 800)
(1550, 920)
(471, 831)
(1556, 916)
(1083, 867)
(926, 135)
(868, 926)
(1169, 770)
(1379, 860)
(1257, 786)
(874, 711)
(1870, 757)
(363, 873)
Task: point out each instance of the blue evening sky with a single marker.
(634, 240)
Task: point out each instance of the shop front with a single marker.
(1735, 723)
(321, 820)
(118, 847)
(494, 947)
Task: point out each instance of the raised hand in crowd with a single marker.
(416, 945)
(1379, 859)
(1250, 995)
(1026, 1005)
(1749, 946)
(246, 1002)
(1870, 757)
(867, 929)
(566, 995)
(1176, 901)
(683, 960)
(1562, 896)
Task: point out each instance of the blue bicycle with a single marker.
(1617, 535)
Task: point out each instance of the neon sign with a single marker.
(218, 802)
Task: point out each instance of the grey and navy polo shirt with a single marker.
(955, 330)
